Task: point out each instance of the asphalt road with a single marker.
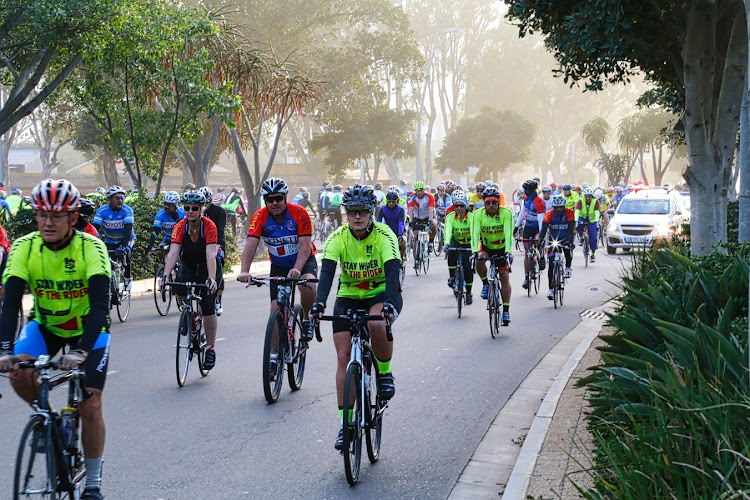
(216, 438)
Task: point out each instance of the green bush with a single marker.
(670, 399)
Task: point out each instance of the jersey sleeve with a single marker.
(539, 205)
(129, 219)
(430, 200)
(508, 229)
(98, 216)
(390, 246)
(4, 241)
(157, 219)
(302, 218)
(334, 245)
(97, 260)
(256, 223)
(210, 233)
(476, 229)
(178, 232)
(570, 214)
(17, 260)
(448, 228)
(502, 200)
(548, 216)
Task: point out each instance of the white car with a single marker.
(645, 217)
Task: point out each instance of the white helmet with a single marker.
(172, 197)
(459, 196)
(588, 192)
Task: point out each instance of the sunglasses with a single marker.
(359, 212)
(50, 216)
(192, 209)
(274, 199)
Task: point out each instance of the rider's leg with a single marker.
(593, 237)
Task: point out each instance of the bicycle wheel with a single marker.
(426, 260)
(295, 370)
(272, 381)
(162, 300)
(123, 308)
(402, 274)
(183, 347)
(199, 348)
(491, 307)
(557, 284)
(437, 247)
(374, 430)
(458, 288)
(418, 258)
(498, 308)
(352, 449)
(529, 279)
(586, 251)
(35, 472)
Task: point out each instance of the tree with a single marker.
(647, 132)
(696, 52)
(491, 140)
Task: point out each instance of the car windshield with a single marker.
(652, 207)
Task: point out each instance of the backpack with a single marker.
(336, 201)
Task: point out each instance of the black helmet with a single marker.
(359, 196)
(489, 192)
(567, 187)
(86, 208)
(189, 187)
(530, 185)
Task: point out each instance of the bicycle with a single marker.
(324, 227)
(534, 276)
(361, 386)
(558, 273)
(585, 246)
(602, 233)
(458, 282)
(494, 301)
(191, 339)
(437, 248)
(119, 294)
(290, 349)
(421, 255)
(163, 298)
(61, 471)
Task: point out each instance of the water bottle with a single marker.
(68, 427)
(281, 295)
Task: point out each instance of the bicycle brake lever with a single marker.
(317, 332)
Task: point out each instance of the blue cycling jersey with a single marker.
(166, 223)
(394, 218)
(113, 223)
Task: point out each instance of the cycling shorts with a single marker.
(310, 267)
(35, 341)
(196, 273)
(343, 304)
(501, 265)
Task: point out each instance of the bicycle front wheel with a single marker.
(352, 449)
(492, 308)
(295, 370)
(558, 285)
(35, 472)
(162, 300)
(374, 414)
(418, 258)
(123, 308)
(586, 251)
(458, 289)
(273, 372)
(537, 275)
(183, 347)
(438, 246)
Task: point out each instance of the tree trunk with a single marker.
(744, 158)
(110, 170)
(391, 168)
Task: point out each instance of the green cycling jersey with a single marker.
(492, 232)
(458, 229)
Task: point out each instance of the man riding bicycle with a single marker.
(85, 211)
(492, 235)
(532, 212)
(114, 222)
(422, 214)
(561, 224)
(394, 216)
(165, 221)
(68, 274)
(194, 243)
(458, 234)
(369, 280)
(587, 214)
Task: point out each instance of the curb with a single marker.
(490, 466)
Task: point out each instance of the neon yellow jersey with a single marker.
(570, 201)
(59, 280)
(458, 229)
(494, 232)
(362, 261)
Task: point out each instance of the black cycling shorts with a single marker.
(343, 304)
(196, 273)
(310, 267)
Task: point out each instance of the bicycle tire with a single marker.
(437, 247)
(183, 347)
(426, 261)
(586, 249)
(491, 306)
(199, 347)
(272, 388)
(123, 308)
(417, 258)
(557, 284)
(498, 309)
(163, 300)
(529, 279)
(295, 370)
(458, 288)
(374, 431)
(402, 274)
(27, 477)
(352, 449)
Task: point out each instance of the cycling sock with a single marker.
(210, 348)
(93, 472)
(384, 366)
(341, 415)
(452, 271)
(484, 281)
(506, 307)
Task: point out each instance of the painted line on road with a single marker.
(111, 372)
(222, 338)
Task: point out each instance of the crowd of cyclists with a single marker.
(66, 263)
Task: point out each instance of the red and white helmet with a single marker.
(52, 195)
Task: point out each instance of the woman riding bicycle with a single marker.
(370, 264)
(194, 243)
(458, 234)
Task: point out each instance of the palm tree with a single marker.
(595, 135)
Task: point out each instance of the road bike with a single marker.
(324, 227)
(458, 282)
(191, 338)
(494, 301)
(421, 255)
(49, 462)
(437, 248)
(585, 245)
(363, 406)
(163, 297)
(119, 291)
(534, 275)
(558, 272)
(279, 349)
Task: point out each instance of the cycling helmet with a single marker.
(303, 189)
(392, 194)
(217, 199)
(621, 184)
(490, 192)
(567, 187)
(546, 189)
(101, 191)
(402, 182)
(378, 185)
(585, 185)
(553, 185)
(588, 192)
(188, 187)
(618, 189)
(598, 193)
(17, 191)
(193, 198)
(171, 197)
(206, 192)
(273, 185)
(610, 190)
(87, 208)
(359, 196)
(52, 195)
(577, 188)
(27, 199)
(115, 190)
(520, 193)
(418, 185)
(450, 185)
(530, 185)
(480, 186)
(558, 200)
(441, 187)
(329, 187)
(305, 194)
(459, 196)
(338, 187)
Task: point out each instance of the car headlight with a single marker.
(662, 229)
(613, 227)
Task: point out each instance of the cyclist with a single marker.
(165, 221)
(86, 210)
(518, 197)
(234, 206)
(218, 216)
(603, 205)
(334, 203)
(114, 222)
(403, 189)
(532, 212)
(561, 223)
(194, 244)
(547, 198)
(421, 208)
(475, 200)
(571, 197)
(305, 203)
(68, 273)
(369, 280)
(587, 214)
(188, 188)
(4, 251)
(492, 235)
(458, 234)
(379, 194)
(394, 216)
(442, 202)
(553, 187)
(298, 196)
(619, 195)
(321, 194)
(286, 229)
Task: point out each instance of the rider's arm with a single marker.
(507, 228)
(327, 270)
(174, 254)
(211, 260)
(97, 317)
(127, 234)
(152, 239)
(577, 207)
(305, 249)
(448, 228)
(401, 221)
(543, 231)
(476, 227)
(521, 215)
(14, 288)
(391, 269)
(430, 207)
(572, 219)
